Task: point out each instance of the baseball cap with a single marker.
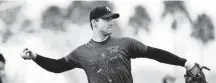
(102, 12)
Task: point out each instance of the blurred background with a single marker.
(53, 28)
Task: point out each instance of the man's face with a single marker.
(105, 25)
(2, 67)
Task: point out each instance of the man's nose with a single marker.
(111, 23)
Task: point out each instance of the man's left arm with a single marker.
(140, 50)
(164, 56)
(194, 71)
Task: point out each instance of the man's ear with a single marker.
(94, 22)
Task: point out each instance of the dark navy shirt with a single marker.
(108, 61)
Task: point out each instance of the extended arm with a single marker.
(54, 65)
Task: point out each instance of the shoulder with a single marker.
(127, 39)
(76, 52)
(80, 48)
(131, 42)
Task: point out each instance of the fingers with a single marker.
(26, 50)
(26, 54)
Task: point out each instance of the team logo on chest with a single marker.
(113, 49)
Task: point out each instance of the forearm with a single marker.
(52, 65)
(165, 57)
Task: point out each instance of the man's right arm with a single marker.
(54, 65)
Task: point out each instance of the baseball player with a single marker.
(106, 59)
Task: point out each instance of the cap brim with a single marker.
(112, 15)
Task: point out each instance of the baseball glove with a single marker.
(196, 75)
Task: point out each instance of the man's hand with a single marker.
(28, 54)
(195, 74)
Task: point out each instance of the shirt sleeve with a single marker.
(135, 48)
(73, 58)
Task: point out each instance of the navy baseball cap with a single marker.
(102, 12)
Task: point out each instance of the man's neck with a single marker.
(98, 37)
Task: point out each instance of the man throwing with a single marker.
(106, 59)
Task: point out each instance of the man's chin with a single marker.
(107, 34)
